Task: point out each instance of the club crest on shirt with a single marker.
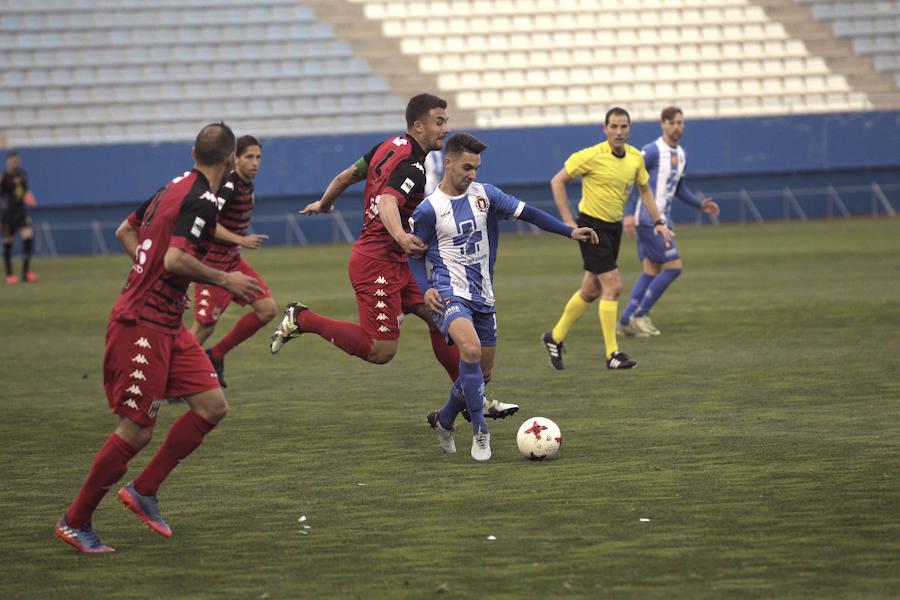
(481, 203)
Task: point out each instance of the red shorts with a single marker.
(385, 291)
(211, 301)
(143, 366)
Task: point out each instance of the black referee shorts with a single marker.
(600, 258)
(13, 220)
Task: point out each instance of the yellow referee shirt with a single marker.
(606, 180)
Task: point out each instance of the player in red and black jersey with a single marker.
(386, 290)
(150, 355)
(236, 206)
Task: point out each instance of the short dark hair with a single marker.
(419, 106)
(616, 111)
(244, 142)
(213, 144)
(13, 153)
(464, 142)
(669, 113)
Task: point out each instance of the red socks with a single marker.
(110, 464)
(183, 438)
(244, 328)
(347, 336)
(446, 354)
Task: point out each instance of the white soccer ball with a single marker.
(538, 438)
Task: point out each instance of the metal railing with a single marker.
(98, 237)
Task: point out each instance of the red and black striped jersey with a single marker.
(236, 205)
(397, 167)
(182, 214)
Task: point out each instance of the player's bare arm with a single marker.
(128, 237)
(252, 241)
(389, 212)
(660, 228)
(585, 234)
(338, 185)
(558, 187)
(179, 262)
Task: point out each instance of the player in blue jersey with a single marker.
(459, 224)
(665, 161)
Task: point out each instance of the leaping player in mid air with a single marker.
(459, 290)
(385, 288)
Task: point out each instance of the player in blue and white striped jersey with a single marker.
(665, 161)
(459, 222)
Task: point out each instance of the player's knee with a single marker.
(381, 354)
(266, 312)
(216, 411)
(674, 273)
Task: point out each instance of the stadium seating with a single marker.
(873, 26)
(101, 71)
(85, 72)
(533, 62)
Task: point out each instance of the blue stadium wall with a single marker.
(81, 184)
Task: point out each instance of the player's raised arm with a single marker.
(352, 174)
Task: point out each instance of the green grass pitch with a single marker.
(754, 452)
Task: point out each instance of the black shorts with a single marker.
(14, 220)
(601, 257)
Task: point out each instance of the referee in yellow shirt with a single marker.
(608, 172)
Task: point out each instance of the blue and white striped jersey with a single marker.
(462, 234)
(666, 167)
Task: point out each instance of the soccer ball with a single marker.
(538, 438)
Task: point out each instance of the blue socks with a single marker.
(647, 291)
(468, 392)
(656, 288)
(637, 293)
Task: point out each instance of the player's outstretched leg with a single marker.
(84, 538)
(145, 507)
(288, 328)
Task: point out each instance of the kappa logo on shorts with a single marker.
(202, 312)
(380, 292)
(138, 374)
(384, 329)
(203, 302)
(380, 304)
(134, 389)
(130, 403)
(140, 359)
(143, 343)
(381, 317)
(204, 292)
